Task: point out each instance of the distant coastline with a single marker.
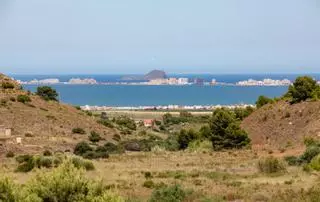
(165, 107)
(165, 81)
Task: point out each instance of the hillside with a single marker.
(280, 124)
(42, 124)
(155, 74)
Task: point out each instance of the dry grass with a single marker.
(232, 175)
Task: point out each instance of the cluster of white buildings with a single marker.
(165, 107)
(82, 81)
(169, 81)
(264, 82)
(40, 82)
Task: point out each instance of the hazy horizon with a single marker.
(182, 36)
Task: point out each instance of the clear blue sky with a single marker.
(134, 36)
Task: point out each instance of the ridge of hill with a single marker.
(155, 74)
(282, 124)
(42, 124)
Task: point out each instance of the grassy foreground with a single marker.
(208, 176)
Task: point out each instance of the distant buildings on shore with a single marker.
(163, 81)
(168, 107)
(264, 82)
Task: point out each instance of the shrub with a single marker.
(310, 153)
(303, 88)
(106, 123)
(292, 160)
(226, 132)
(116, 137)
(81, 148)
(66, 183)
(47, 93)
(23, 98)
(7, 85)
(271, 165)
(47, 153)
(7, 190)
(46, 162)
(168, 194)
(78, 131)
(171, 143)
(263, 100)
(241, 113)
(315, 163)
(185, 137)
(10, 154)
(80, 163)
(26, 163)
(126, 122)
(148, 184)
(110, 148)
(199, 146)
(95, 155)
(94, 136)
(77, 107)
(12, 99)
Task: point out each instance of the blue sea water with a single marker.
(130, 95)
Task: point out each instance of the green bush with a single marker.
(185, 137)
(200, 146)
(78, 131)
(263, 100)
(292, 160)
(47, 93)
(303, 88)
(241, 113)
(171, 143)
(81, 148)
(310, 153)
(271, 165)
(148, 184)
(7, 85)
(315, 163)
(23, 98)
(82, 164)
(106, 123)
(94, 137)
(226, 132)
(8, 190)
(66, 183)
(168, 194)
(126, 122)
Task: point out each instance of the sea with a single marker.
(138, 95)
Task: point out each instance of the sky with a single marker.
(178, 36)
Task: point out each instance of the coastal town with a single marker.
(156, 78)
(165, 107)
(160, 81)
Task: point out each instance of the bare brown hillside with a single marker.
(41, 124)
(281, 124)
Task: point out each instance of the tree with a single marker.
(263, 100)
(302, 89)
(226, 132)
(47, 93)
(94, 137)
(185, 137)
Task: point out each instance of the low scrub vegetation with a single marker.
(271, 165)
(27, 163)
(7, 85)
(78, 131)
(23, 98)
(63, 184)
(86, 151)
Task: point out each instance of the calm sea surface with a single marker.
(129, 95)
